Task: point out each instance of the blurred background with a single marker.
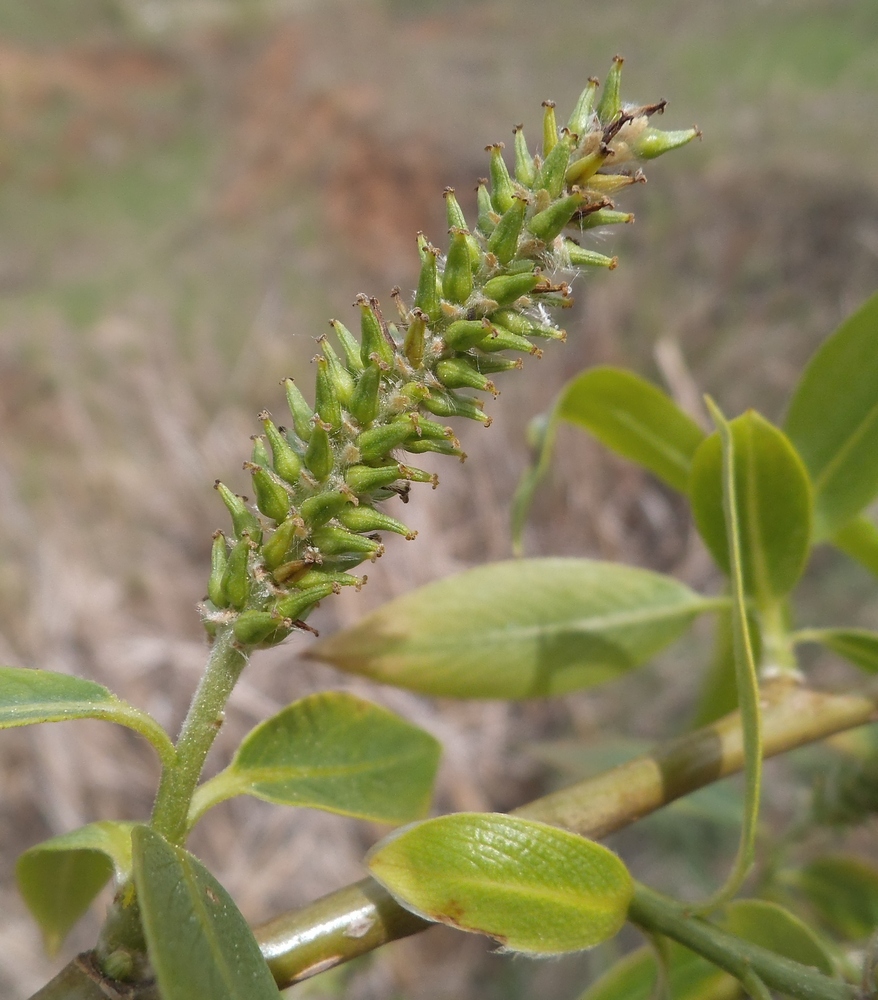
(190, 189)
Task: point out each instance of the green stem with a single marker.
(755, 967)
(200, 728)
(777, 641)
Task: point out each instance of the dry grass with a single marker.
(147, 324)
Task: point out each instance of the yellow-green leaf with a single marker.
(767, 924)
(859, 540)
(535, 888)
(843, 892)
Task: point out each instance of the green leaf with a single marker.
(31, 696)
(635, 419)
(858, 645)
(59, 878)
(541, 432)
(336, 752)
(533, 887)
(859, 540)
(690, 977)
(518, 629)
(833, 420)
(773, 505)
(843, 892)
(200, 946)
(777, 929)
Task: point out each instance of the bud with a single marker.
(272, 497)
(506, 288)
(368, 519)
(415, 339)
(299, 602)
(579, 257)
(503, 242)
(301, 412)
(455, 373)
(236, 579)
(253, 627)
(366, 478)
(375, 443)
(285, 461)
(276, 550)
(550, 128)
(219, 560)
(349, 345)
(449, 404)
(366, 397)
(548, 224)
(339, 375)
(611, 103)
(457, 278)
(501, 183)
(373, 339)
(427, 295)
(551, 174)
(321, 507)
(326, 400)
(604, 217)
(525, 170)
(466, 333)
(652, 142)
(244, 521)
(318, 456)
(581, 117)
(341, 542)
(487, 218)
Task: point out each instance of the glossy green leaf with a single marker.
(843, 892)
(518, 629)
(773, 505)
(533, 887)
(336, 752)
(32, 696)
(59, 878)
(200, 946)
(775, 928)
(859, 540)
(690, 977)
(635, 419)
(858, 645)
(833, 420)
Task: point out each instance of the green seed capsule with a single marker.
(259, 454)
(272, 497)
(487, 218)
(427, 295)
(365, 478)
(368, 519)
(285, 461)
(503, 242)
(502, 189)
(340, 541)
(298, 602)
(424, 428)
(606, 184)
(550, 128)
(236, 579)
(506, 288)
(582, 114)
(490, 364)
(587, 166)
(365, 400)
(457, 278)
(301, 412)
(316, 577)
(318, 456)
(320, 508)
(465, 333)
(375, 443)
(524, 326)
(551, 175)
(611, 103)
(219, 560)
(455, 373)
(276, 550)
(326, 400)
(244, 521)
(349, 345)
(552, 222)
(652, 142)
(579, 257)
(416, 338)
(449, 404)
(453, 211)
(525, 171)
(253, 627)
(420, 446)
(413, 475)
(604, 217)
(505, 340)
(341, 378)
(373, 339)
